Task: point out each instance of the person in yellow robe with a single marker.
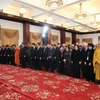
(96, 63)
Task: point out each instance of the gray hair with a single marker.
(61, 49)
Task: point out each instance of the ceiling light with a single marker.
(22, 10)
(79, 15)
(67, 23)
(53, 4)
(50, 17)
(79, 27)
(95, 22)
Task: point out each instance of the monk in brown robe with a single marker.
(17, 56)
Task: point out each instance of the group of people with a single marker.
(77, 61)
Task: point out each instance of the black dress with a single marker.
(83, 53)
(76, 58)
(60, 62)
(89, 68)
(67, 63)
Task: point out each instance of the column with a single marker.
(74, 38)
(62, 36)
(26, 33)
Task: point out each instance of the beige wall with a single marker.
(13, 25)
(56, 32)
(33, 28)
(93, 36)
(68, 34)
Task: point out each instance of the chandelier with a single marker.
(95, 22)
(53, 4)
(79, 15)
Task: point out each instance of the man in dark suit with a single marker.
(57, 54)
(51, 58)
(29, 55)
(83, 55)
(3, 54)
(33, 51)
(8, 54)
(13, 54)
(45, 57)
(23, 55)
(38, 57)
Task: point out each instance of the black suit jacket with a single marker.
(38, 53)
(83, 54)
(23, 52)
(33, 51)
(45, 53)
(51, 53)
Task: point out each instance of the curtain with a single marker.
(67, 40)
(88, 40)
(9, 36)
(54, 39)
(35, 37)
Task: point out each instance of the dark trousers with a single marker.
(8, 59)
(23, 62)
(46, 67)
(76, 70)
(3, 59)
(90, 76)
(13, 60)
(83, 70)
(60, 67)
(30, 62)
(0, 59)
(38, 64)
(56, 63)
(51, 64)
(67, 68)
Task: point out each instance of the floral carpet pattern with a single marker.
(27, 84)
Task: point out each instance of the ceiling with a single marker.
(62, 16)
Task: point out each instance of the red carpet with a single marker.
(27, 84)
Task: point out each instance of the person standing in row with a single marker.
(23, 55)
(29, 55)
(88, 63)
(67, 61)
(83, 54)
(33, 51)
(96, 63)
(76, 62)
(57, 54)
(45, 57)
(51, 58)
(60, 61)
(17, 56)
(39, 57)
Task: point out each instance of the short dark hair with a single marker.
(39, 43)
(91, 45)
